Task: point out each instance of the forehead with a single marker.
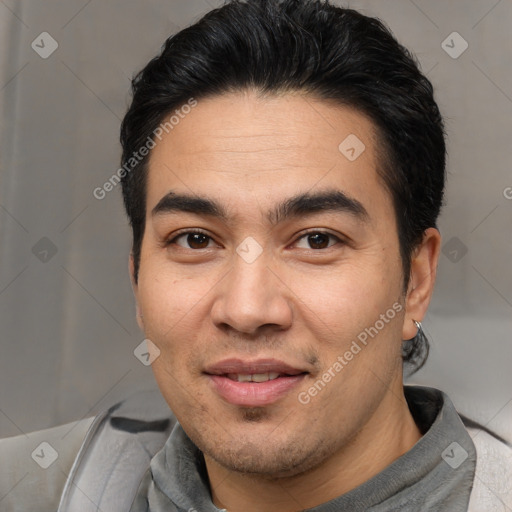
(247, 147)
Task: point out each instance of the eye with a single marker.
(317, 240)
(192, 240)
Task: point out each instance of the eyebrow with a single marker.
(297, 206)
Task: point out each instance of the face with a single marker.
(270, 280)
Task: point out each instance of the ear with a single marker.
(135, 288)
(421, 281)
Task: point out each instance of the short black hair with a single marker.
(310, 46)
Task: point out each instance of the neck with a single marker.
(389, 433)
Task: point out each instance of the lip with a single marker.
(234, 365)
(253, 394)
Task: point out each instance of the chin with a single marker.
(260, 456)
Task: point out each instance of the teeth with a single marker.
(255, 377)
(263, 377)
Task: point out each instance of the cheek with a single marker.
(168, 303)
(348, 297)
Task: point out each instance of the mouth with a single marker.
(253, 383)
(255, 377)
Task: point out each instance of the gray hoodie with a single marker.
(136, 457)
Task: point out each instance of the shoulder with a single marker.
(492, 485)
(68, 467)
(33, 467)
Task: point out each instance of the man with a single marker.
(283, 171)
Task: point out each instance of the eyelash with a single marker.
(338, 240)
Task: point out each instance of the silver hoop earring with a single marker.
(418, 325)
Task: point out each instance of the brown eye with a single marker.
(192, 240)
(198, 240)
(317, 240)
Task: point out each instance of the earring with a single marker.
(418, 325)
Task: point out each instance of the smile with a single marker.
(256, 377)
(253, 383)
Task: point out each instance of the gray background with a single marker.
(67, 319)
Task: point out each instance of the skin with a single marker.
(300, 304)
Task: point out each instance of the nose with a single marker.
(252, 299)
